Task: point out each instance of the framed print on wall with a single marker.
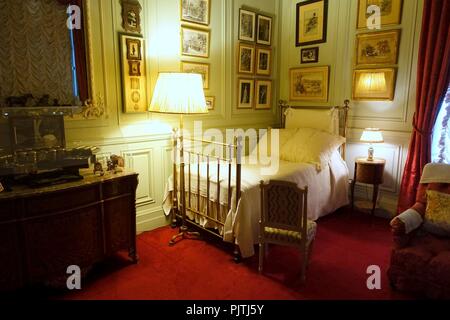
(197, 67)
(245, 93)
(377, 47)
(264, 30)
(263, 61)
(210, 102)
(131, 15)
(246, 58)
(309, 84)
(196, 11)
(247, 25)
(374, 84)
(390, 11)
(263, 94)
(311, 22)
(194, 42)
(309, 55)
(134, 83)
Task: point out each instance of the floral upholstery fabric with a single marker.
(437, 212)
(291, 236)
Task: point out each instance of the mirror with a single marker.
(43, 62)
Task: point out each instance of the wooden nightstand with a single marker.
(369, 172)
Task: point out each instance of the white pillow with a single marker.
(325, 120)
(311, 146)
(265, 142)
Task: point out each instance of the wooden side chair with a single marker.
(284, 220)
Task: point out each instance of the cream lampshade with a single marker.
(179, 93)
(371, 135)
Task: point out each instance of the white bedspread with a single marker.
(327, 191)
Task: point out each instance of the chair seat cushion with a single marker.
(291, 236)
(437, 214)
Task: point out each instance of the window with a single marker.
(440, 148)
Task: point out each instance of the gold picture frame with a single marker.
(210, 102)
(247, 25)
(131, 15)
(264, 30)
(390, 10)
(263, 94)
(134, 80)
(246, 58)
(197, 67)
(245, 93)
(374, 84)
(311, 22)
(133, 49)
(195, 42)
(377, 48)
(263, 61)
(309, 84)
(195, 11)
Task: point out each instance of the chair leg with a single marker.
(262, 250)
(304, 266)
(310, 250)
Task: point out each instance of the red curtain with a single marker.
(433, 75)
(80, 52)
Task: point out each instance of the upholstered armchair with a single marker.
(284, 220)
(420, 259)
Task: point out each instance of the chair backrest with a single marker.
(283, 206)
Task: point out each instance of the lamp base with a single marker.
(184, 234)
(370, 154)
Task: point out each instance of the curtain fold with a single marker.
(433, 75)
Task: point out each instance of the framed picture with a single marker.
(245, 93)
(210, 102)
(131, 15)
(197, 67)
(247, 25)
(309, 55)
(194, 42)
(311, 22)
(309, 84)
(263, 61)
(263, 94)
(134, 83)
(134, 68)
(390, 12)
(133, 49)
(264, 30)
(377, 47)
(196, 11)
(374, 84)
(246, 58)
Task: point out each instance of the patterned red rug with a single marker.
(346, 245)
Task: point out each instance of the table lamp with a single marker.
(179, 93)
(371, 135)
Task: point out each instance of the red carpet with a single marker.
(345, 246)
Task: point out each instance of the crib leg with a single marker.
(237, 256)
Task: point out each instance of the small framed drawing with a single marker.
(245, 93)
(131, 15)
(133, 49)
(210, 101)
(134, 68)
(390, 13)
(377, 48)
(264, 30)
(263, 94)
(246, 58)
(196, 11)
(309, 84)
(194, 42)
(309, 55)
(197, 67)
(263, 61)
(247, 25)
(311, 22)
(134, 87)
(374, 84)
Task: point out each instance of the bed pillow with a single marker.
(326, 120)
(311, 146)
(265, 142)
(437, 213)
